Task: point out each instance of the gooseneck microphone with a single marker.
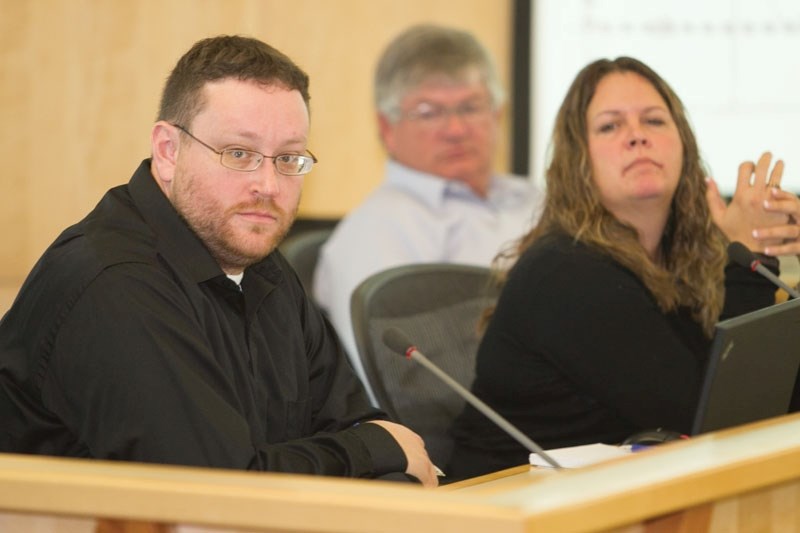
(398, 342)
(741, 255)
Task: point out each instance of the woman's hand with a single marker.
(788, 234)
(746, 212)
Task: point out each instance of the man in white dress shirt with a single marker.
(438, 103)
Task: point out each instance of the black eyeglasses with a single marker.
(249, 160)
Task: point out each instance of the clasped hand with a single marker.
(419, 464)
(760, 215)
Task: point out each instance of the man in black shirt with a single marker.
(165, 328)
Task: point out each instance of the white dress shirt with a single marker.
(414, 217)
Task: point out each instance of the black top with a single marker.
(578, 352)
(127, 341)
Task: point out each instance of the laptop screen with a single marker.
(752, 368)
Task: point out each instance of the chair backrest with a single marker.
(438, 306)
(302, 252)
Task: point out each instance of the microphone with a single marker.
(398, 342)
(741, 255)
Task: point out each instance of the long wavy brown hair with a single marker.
(693, 248)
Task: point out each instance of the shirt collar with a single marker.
(176, 241)
(434, 190)
(428, 188)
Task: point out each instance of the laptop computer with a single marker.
(752, 369)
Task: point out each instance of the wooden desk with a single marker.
(745, 479)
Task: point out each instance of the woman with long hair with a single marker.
(606, 316)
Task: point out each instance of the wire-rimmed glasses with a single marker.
(435, 116)
(249, 160)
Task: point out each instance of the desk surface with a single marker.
(684, 474)
(647, 485)
(750, 455)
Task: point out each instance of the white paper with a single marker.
(578, 456)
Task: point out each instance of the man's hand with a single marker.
(419, 464)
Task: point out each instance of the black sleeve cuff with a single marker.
(387, 455)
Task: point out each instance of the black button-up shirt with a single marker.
(127, 341)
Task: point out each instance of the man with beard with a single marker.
(164, 327)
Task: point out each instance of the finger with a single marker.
(421, 467)
(783, 201)
(761, 169)
(776, 175)
(431, 479)
(789, 248)
(789, 231)
(790, 207)
(746, 170)
(780, 194)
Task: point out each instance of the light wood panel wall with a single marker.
(80, 82)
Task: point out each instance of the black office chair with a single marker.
(302, 252)
(438, 306)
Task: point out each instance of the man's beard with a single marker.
(221, 239)
(233, 247)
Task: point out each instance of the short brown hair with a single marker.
(225, 56)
